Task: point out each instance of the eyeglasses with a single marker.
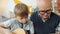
(45, 11)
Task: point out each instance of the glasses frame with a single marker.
(45, 11)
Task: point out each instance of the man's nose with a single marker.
(45, 14)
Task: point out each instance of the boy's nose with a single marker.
(24, 20)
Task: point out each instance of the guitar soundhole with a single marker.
(28, 31)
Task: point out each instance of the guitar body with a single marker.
(19, 31)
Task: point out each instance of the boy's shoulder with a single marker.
(10, 20)
(13, 19)
(29, 22)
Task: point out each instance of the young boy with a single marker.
(20, 20)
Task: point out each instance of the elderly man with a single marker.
(44, 20)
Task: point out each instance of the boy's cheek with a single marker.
(24, 21)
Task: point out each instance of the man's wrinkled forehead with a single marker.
(43, 1)
(45, 9)
(44, 4)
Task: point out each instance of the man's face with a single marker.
(44, 7)
(45, 13)
(22, 19)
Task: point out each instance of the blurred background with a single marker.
(7, 6)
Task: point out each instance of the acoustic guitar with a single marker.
(19, 31)
(16, 31)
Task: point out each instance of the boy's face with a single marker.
(22, 19)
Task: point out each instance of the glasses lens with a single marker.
(45, 11)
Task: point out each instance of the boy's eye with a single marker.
(21, 18)
(26, 17)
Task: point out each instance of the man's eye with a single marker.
(42, 11)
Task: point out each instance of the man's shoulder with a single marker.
(34, 14)
(55, 15)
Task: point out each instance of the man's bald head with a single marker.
(44, 4)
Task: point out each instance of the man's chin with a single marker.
(45, 17)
